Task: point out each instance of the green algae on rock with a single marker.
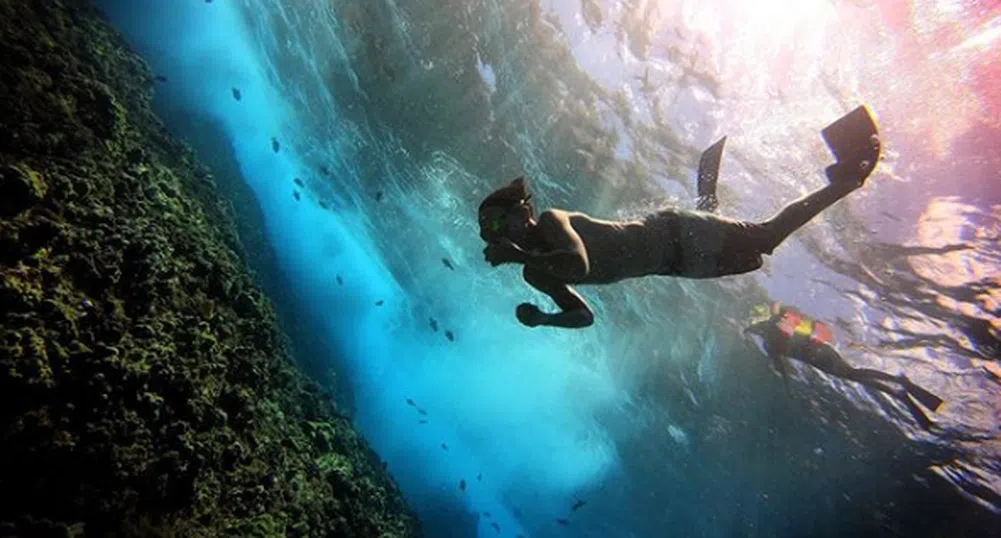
(146, 389)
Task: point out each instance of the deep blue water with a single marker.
(399, 116)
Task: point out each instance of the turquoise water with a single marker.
(398, 117)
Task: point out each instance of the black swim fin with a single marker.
(916, 412)
(926, 398)
(708, 173)
(854, 141)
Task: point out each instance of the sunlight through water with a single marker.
(400, 117)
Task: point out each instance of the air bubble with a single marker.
(874, 141)
(864, 165)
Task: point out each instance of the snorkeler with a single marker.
(563, 248)
(786, 332)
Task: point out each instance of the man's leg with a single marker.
(854, 141)
(867, 375)
(793, 216)
(896, 386)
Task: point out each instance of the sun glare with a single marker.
(766, 22)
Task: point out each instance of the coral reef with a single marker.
(146, 389)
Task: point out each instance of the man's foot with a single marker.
(854, 141)
(847, 176)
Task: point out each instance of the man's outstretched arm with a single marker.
(574, 311)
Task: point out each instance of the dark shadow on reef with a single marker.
(313, 353)
(146, 388)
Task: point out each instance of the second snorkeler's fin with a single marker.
(854, 141)
(919, 416)
(708, 173)
(926, 398)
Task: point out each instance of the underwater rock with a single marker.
(20, 188)
(145, 383)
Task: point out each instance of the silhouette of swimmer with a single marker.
(787, 332)
(563, 248)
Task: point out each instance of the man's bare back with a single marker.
(669, 242)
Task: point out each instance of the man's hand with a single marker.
(504, 251)
(529, 315)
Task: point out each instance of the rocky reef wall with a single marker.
(146, 388)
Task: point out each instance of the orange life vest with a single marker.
(795, 324)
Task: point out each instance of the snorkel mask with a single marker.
(760, 312)
(493, 220)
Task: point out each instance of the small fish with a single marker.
(516, 512)
(578, 505)
(563, 522)
(447, 263)
(298, 182)
(380, 302)
(86, 303)
(450, 336)
(495, 526)
(275, 146)
(444, 447)
(424, 421)
(296, 194)
(236, 94)
(422, 412)
(488, 514)
(479, 477)
(323, 205)
(462, 485)
(340, 281)
(160, 78)
(411, 403)
(378, 196)
(433, 323)
(324, 170)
